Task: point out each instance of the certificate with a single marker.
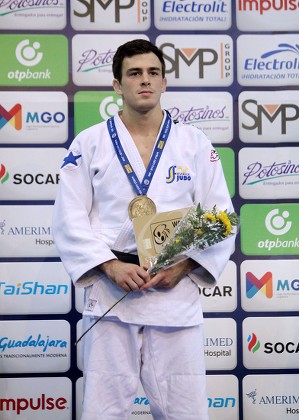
(153, 231)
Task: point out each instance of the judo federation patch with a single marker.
(214, 156)
(177, 173)
(90, 305)
(72, 161)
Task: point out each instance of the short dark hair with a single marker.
(131, 48)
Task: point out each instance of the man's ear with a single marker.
(164, 84)
(117, 86)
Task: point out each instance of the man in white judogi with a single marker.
(152, 336)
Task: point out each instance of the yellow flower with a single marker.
(199, 232)
(210, 216)
(223, 217)
(177, 241)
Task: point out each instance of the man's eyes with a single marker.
(139, 73)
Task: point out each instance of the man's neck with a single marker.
(142, 123)
(144, 129)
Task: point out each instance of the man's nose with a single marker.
(145, 79)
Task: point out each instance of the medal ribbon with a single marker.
(140, 188)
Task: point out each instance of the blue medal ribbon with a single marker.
(140, 188)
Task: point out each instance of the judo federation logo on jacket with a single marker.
(177, 173)
(72, 161)
(214, 156)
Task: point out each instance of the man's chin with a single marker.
(146, 106)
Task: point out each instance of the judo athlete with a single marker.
(155, 334)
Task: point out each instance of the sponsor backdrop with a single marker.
(233, 71)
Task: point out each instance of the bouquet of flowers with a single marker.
(198, 229)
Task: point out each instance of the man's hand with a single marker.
(125, 275)
(170, 277)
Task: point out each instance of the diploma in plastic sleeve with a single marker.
(153, 231)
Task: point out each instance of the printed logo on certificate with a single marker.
(153, 231)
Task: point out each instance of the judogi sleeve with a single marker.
(79, 249)
(212, 260)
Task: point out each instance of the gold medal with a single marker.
(141, 206)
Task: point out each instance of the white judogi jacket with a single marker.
(91, 218)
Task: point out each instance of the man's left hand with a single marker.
(169, 278)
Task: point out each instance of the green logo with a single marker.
(270, 229)
(228, 162)
(94, 107)
(33, 60)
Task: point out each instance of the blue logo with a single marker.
(177, 173)
(38, 342)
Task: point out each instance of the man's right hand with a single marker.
(130, 277)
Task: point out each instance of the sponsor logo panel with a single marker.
(268, 60)
(270, 285)
(33, 117)
(222, 297)
(34, 60)
(270, 396)
(269, 173)
(34, 288)
(269, 117)
(28, 14)
(270, 343)
(214, 115)
(94, 107)
(34, 346)
(109, 15)
(197, 60)
(193, 15)
(227, 157)
(30, 174)
(223, 397)
(25, 231)
(261, 15)
(270, 229)
(36, 398)
(220, 343)
(92, 58)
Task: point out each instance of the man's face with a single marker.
(142, 82)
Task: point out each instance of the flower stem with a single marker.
(101, 317)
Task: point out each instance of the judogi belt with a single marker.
(126, 257)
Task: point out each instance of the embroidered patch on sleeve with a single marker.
(72, 161)
(214, 156)
(90, 305)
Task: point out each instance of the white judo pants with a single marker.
(168, 361)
